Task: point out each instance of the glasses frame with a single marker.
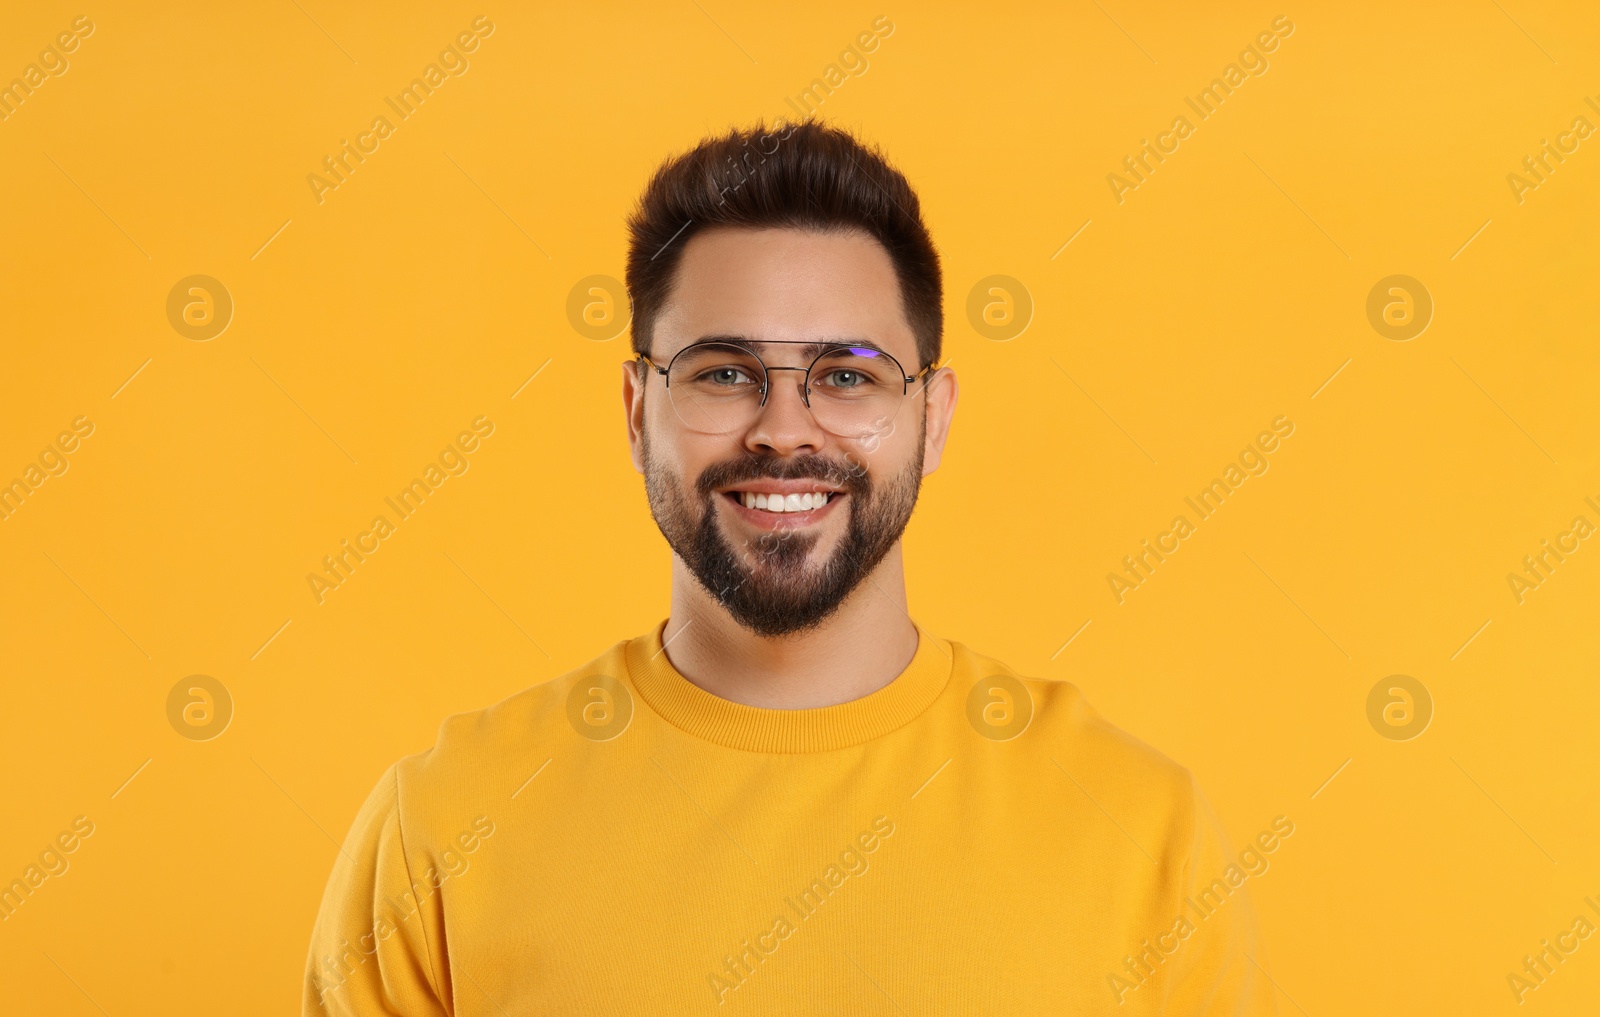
(767, 369)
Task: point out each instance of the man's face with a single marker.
(782, 572)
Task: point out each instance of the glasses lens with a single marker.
(855, 391)
(715, 388)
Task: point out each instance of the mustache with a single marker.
(849, 476)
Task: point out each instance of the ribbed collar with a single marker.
(687, 706)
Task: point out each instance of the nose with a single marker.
(784, 424)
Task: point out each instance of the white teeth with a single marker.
(785, 503)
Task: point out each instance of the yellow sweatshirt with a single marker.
(618, 841)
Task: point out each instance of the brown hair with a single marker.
(807, 176)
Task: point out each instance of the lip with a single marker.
(764, 520)
(769, 485)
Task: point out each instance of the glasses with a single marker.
(718, 387)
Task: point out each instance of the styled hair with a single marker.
(807, 176)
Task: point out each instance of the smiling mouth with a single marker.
(779, 504)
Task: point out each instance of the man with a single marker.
(787, 797)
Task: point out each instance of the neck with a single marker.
(856, 651)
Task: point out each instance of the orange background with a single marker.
(1225, 291)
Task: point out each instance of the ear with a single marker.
(939, 410)
(633, 404)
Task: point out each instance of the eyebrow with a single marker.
(807, 349)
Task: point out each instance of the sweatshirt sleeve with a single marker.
(1218, 968)
(377, 946)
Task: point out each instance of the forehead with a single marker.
(784, 285)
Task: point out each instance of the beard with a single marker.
(771, 585)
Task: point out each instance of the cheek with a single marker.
(663, 438)
(892, 443)
(884, 436)
(660, 423)
(679, 457)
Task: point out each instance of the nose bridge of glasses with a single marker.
(775, 381)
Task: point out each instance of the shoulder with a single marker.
(1095, 753)
(486, 753)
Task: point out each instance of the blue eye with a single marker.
(725, 376)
